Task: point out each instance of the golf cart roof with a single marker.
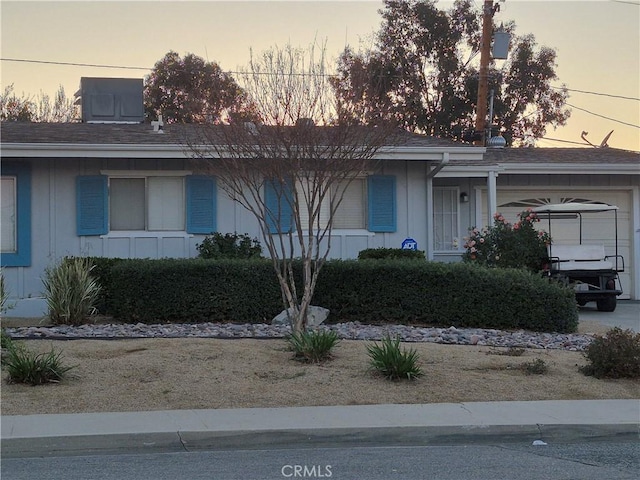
(574, 207)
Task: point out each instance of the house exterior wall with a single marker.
(54, 216)
(54, 236)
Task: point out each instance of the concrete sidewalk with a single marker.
(429, 424)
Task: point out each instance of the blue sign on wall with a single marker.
(409, 244)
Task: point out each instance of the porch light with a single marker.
(464, 197)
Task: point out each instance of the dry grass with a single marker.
(159, 374)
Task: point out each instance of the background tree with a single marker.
(423, 72)
(191, 90)
(291, 169)
(40, 109)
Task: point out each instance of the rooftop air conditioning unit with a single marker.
(111, 100)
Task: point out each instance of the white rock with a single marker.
(315, 316)
(538, 442)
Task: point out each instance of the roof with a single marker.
(22, 139)
(562, 155)
(143, 134)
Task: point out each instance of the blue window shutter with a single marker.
(92, 210)
(22, 256)
(277, 198)
(382, 203)
(201, 204)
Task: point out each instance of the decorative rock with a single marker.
(315, 316)
(349, 330)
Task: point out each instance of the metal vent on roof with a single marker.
(111, 100)
(497, 142)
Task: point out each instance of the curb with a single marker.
(163, 442)
(318, 427)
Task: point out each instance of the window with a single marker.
(445, 218)
(352, 211)
(145, 203)
(148, 203)
(8, 215)
(367, 203)
(15, 215)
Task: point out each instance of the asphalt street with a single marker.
(519, 461)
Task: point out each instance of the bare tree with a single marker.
(292, 168)
(43, 109)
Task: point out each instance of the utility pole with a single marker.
(483, 81)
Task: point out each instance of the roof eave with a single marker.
(75, 150)
(569, 168)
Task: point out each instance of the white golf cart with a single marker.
(586, 267)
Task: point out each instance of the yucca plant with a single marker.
(71, 291)
(313, 346)
(388, 359)
(7, 344)
(25, 366)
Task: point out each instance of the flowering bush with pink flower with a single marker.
(507, 245)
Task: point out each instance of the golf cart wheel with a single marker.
(582, 303)
(607, 304)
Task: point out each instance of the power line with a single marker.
(597, 93)
(128, 67)
(602, 116)
(302, 74)
(72, 64)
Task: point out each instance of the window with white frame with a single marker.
(369, 203)
(8, 214)
(151, 201)
(352, 211)
(445, 218)
(147, 203)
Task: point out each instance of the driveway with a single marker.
(626, 315)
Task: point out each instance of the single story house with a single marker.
(126, 190)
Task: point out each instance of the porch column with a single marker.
(429, 246)
(492, 202)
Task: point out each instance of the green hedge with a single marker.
(194, 291)
(390, 253)
(369, 291)
(444, 294)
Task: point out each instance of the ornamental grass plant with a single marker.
(313, 346)
(71, 291)
(394, 363)
(25, 366)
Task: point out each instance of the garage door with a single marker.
(597, 228)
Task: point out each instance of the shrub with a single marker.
(71, 291)
(313, 346)
(508, 246)
(229, 245)
(375, 292)
(614, 355)
(24, 366)
(393, 253)
(194, 290)
(535, 367)
(392, 362)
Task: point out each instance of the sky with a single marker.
(597, 44)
